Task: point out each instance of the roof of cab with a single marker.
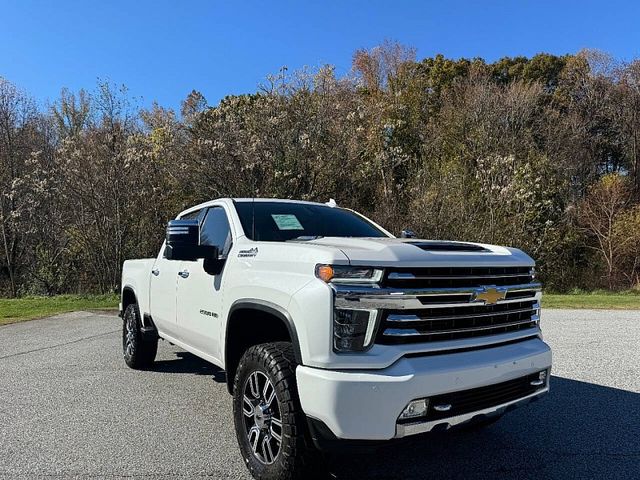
(229, 200)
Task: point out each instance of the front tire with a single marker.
(270, 425)
(138, 352)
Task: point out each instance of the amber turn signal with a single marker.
(324, 272)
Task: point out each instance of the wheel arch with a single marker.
(237, 340)
(127, 298)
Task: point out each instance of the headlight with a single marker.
(348, 274)
(353, 330)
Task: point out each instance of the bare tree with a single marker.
(606, 202)
(17, 131)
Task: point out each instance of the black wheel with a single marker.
(138, 352)
(270, 425)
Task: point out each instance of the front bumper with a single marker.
(366, 404)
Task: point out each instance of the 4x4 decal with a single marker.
(252, 252)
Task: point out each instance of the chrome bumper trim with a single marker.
(404, 430)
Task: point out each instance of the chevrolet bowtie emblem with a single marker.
(491, 295)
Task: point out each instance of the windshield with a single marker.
(282, 221)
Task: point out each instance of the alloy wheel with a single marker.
(262, 417)
(130, 335)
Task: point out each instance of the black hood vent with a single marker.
(448, 247)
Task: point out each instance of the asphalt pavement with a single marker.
(70, 408)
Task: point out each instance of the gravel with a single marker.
(70, 408)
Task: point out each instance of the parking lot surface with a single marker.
(70, 408)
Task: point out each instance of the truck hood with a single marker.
(412, 252)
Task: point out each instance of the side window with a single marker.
(215, 230)
(192, 216)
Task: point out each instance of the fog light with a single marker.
(415, 409)
(542, 379)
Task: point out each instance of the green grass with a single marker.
(28, 308)
(599, 299)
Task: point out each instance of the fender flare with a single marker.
(127, 288)
(271, 308)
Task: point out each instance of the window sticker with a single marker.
(287, 222)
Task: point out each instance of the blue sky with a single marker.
(162, 49)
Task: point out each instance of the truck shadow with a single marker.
(186, 362)
(580, 430)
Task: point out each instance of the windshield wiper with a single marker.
(305, 238)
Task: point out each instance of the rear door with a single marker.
(162, 293)
(199, 293)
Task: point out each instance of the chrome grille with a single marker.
(456, 277)
(456, 322)
(442, 308)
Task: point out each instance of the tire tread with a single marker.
(145, 350)
(299, 459)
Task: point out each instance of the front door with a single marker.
(199, 293)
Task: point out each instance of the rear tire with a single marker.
(138, 352)
(270, 425)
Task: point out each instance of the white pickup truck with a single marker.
(332, 331)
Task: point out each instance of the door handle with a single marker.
(155, 271)
(184, 273)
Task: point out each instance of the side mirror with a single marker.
(183, 242)
(408, 234)
(183, 233)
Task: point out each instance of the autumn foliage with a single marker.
(538, 153)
